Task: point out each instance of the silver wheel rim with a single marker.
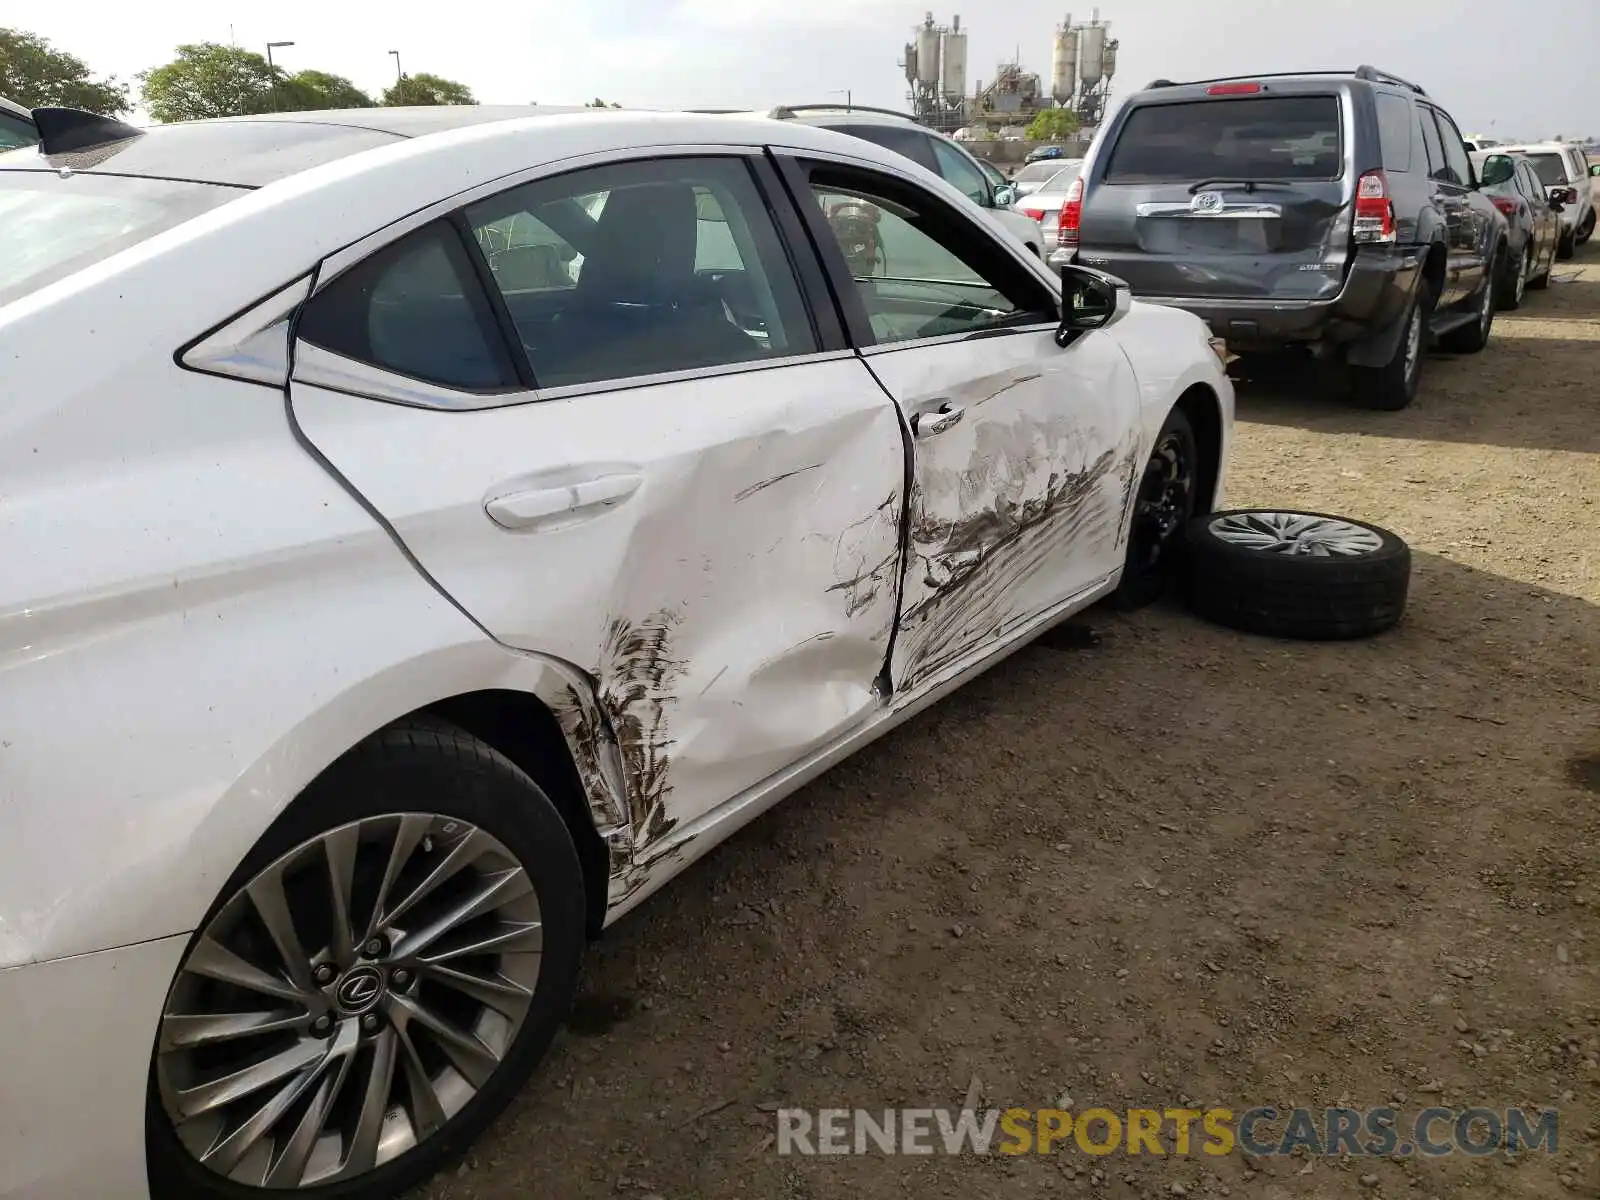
(1414, 343)
(1522, 275)
(1486, 313)
(1296, 534)
(349, 1000)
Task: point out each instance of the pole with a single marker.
(272, 71)
(398, 73)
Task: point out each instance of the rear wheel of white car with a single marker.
(379, 977)
(1163, 503)
(1566, 248)
(1586, 230)
(1296, 575)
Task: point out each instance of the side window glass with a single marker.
(414, 308)
(1458, 169)
(1394, 131)
(960, 173)
(908, 140)
(921, 270)
(642, 268)
(1529, 185)
(1430, 142)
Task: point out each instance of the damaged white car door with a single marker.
(1024, 454)
(614, 417)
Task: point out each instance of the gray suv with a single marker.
(1335, 212)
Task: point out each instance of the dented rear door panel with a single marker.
(729, 586)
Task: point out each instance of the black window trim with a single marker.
(795, 167)
(333, 371)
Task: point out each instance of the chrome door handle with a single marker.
(533, 506)
(930, 424)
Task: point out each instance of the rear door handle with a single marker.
(930, 424)
(534, 506)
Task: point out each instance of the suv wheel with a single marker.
(1566, 247)
(1586, 230)
(1474, 336)
(1394, 385)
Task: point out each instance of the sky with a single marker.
(755, 53)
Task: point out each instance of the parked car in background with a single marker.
(1033, 176)
(1533, 225)
(1477, 141)
(943, 156)
(1044, 205)
(1040, 153)
(16, 126)
(1564, 169)
(417, 598)
(1335, 212)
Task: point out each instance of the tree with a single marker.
(34, 73)
(599, 103)
(308, 90)
(208, 80)
(1053, 124)
(426, 89)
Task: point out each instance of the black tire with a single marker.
(1540, 282)
(1473, 337)
(1586, 230)
(1164, 502)
(1295, 595)
(1512, 280)
(1566, 247)
(422, 766)
(1393, 386)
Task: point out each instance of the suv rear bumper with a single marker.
(1376, 290)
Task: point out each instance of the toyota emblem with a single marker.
(1206, 202)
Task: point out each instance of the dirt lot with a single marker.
(1160, 861)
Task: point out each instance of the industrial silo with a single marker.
(928, 53)
(1064, 62)
(1091, 54)
(954, 73)
(1108, 60)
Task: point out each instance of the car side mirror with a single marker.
(1497, 168)
(1090, 300)
(1595, 169)
(1559, 197)
(1005, 196)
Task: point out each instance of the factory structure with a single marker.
(1083, 58)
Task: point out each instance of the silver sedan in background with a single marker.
(1044, 202)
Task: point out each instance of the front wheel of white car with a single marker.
(377, 980)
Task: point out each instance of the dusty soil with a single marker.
(1159, 860)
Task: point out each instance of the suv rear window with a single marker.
(1270, 137)
(1552, 170)
(51, 227)
(908, 140)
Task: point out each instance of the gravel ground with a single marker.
(1147, 860)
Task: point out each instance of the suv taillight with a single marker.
(1374, 221)
(1505, 204)
(1071, 215)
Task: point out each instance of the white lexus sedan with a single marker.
(428, 531)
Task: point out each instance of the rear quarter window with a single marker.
(1395, 126)
(1260, 137)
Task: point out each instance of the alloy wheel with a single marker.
(349, 1000)
(1163, 499)
(1296, 534)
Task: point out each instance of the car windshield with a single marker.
(1552, 171)
(14, 131)
(52, 226)
(1278, 137)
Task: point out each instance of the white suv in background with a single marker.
(942, 155)
(1564, 165)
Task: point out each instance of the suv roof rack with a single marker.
(785, 112)
(1365, 72)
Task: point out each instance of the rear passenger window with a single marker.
(1394, 131)
(1430, 142)
(414, 308)
(1458, 166)
(960, 173)
(642, 268)
(1276, 137)
(902, 139)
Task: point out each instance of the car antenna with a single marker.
(63, 130)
